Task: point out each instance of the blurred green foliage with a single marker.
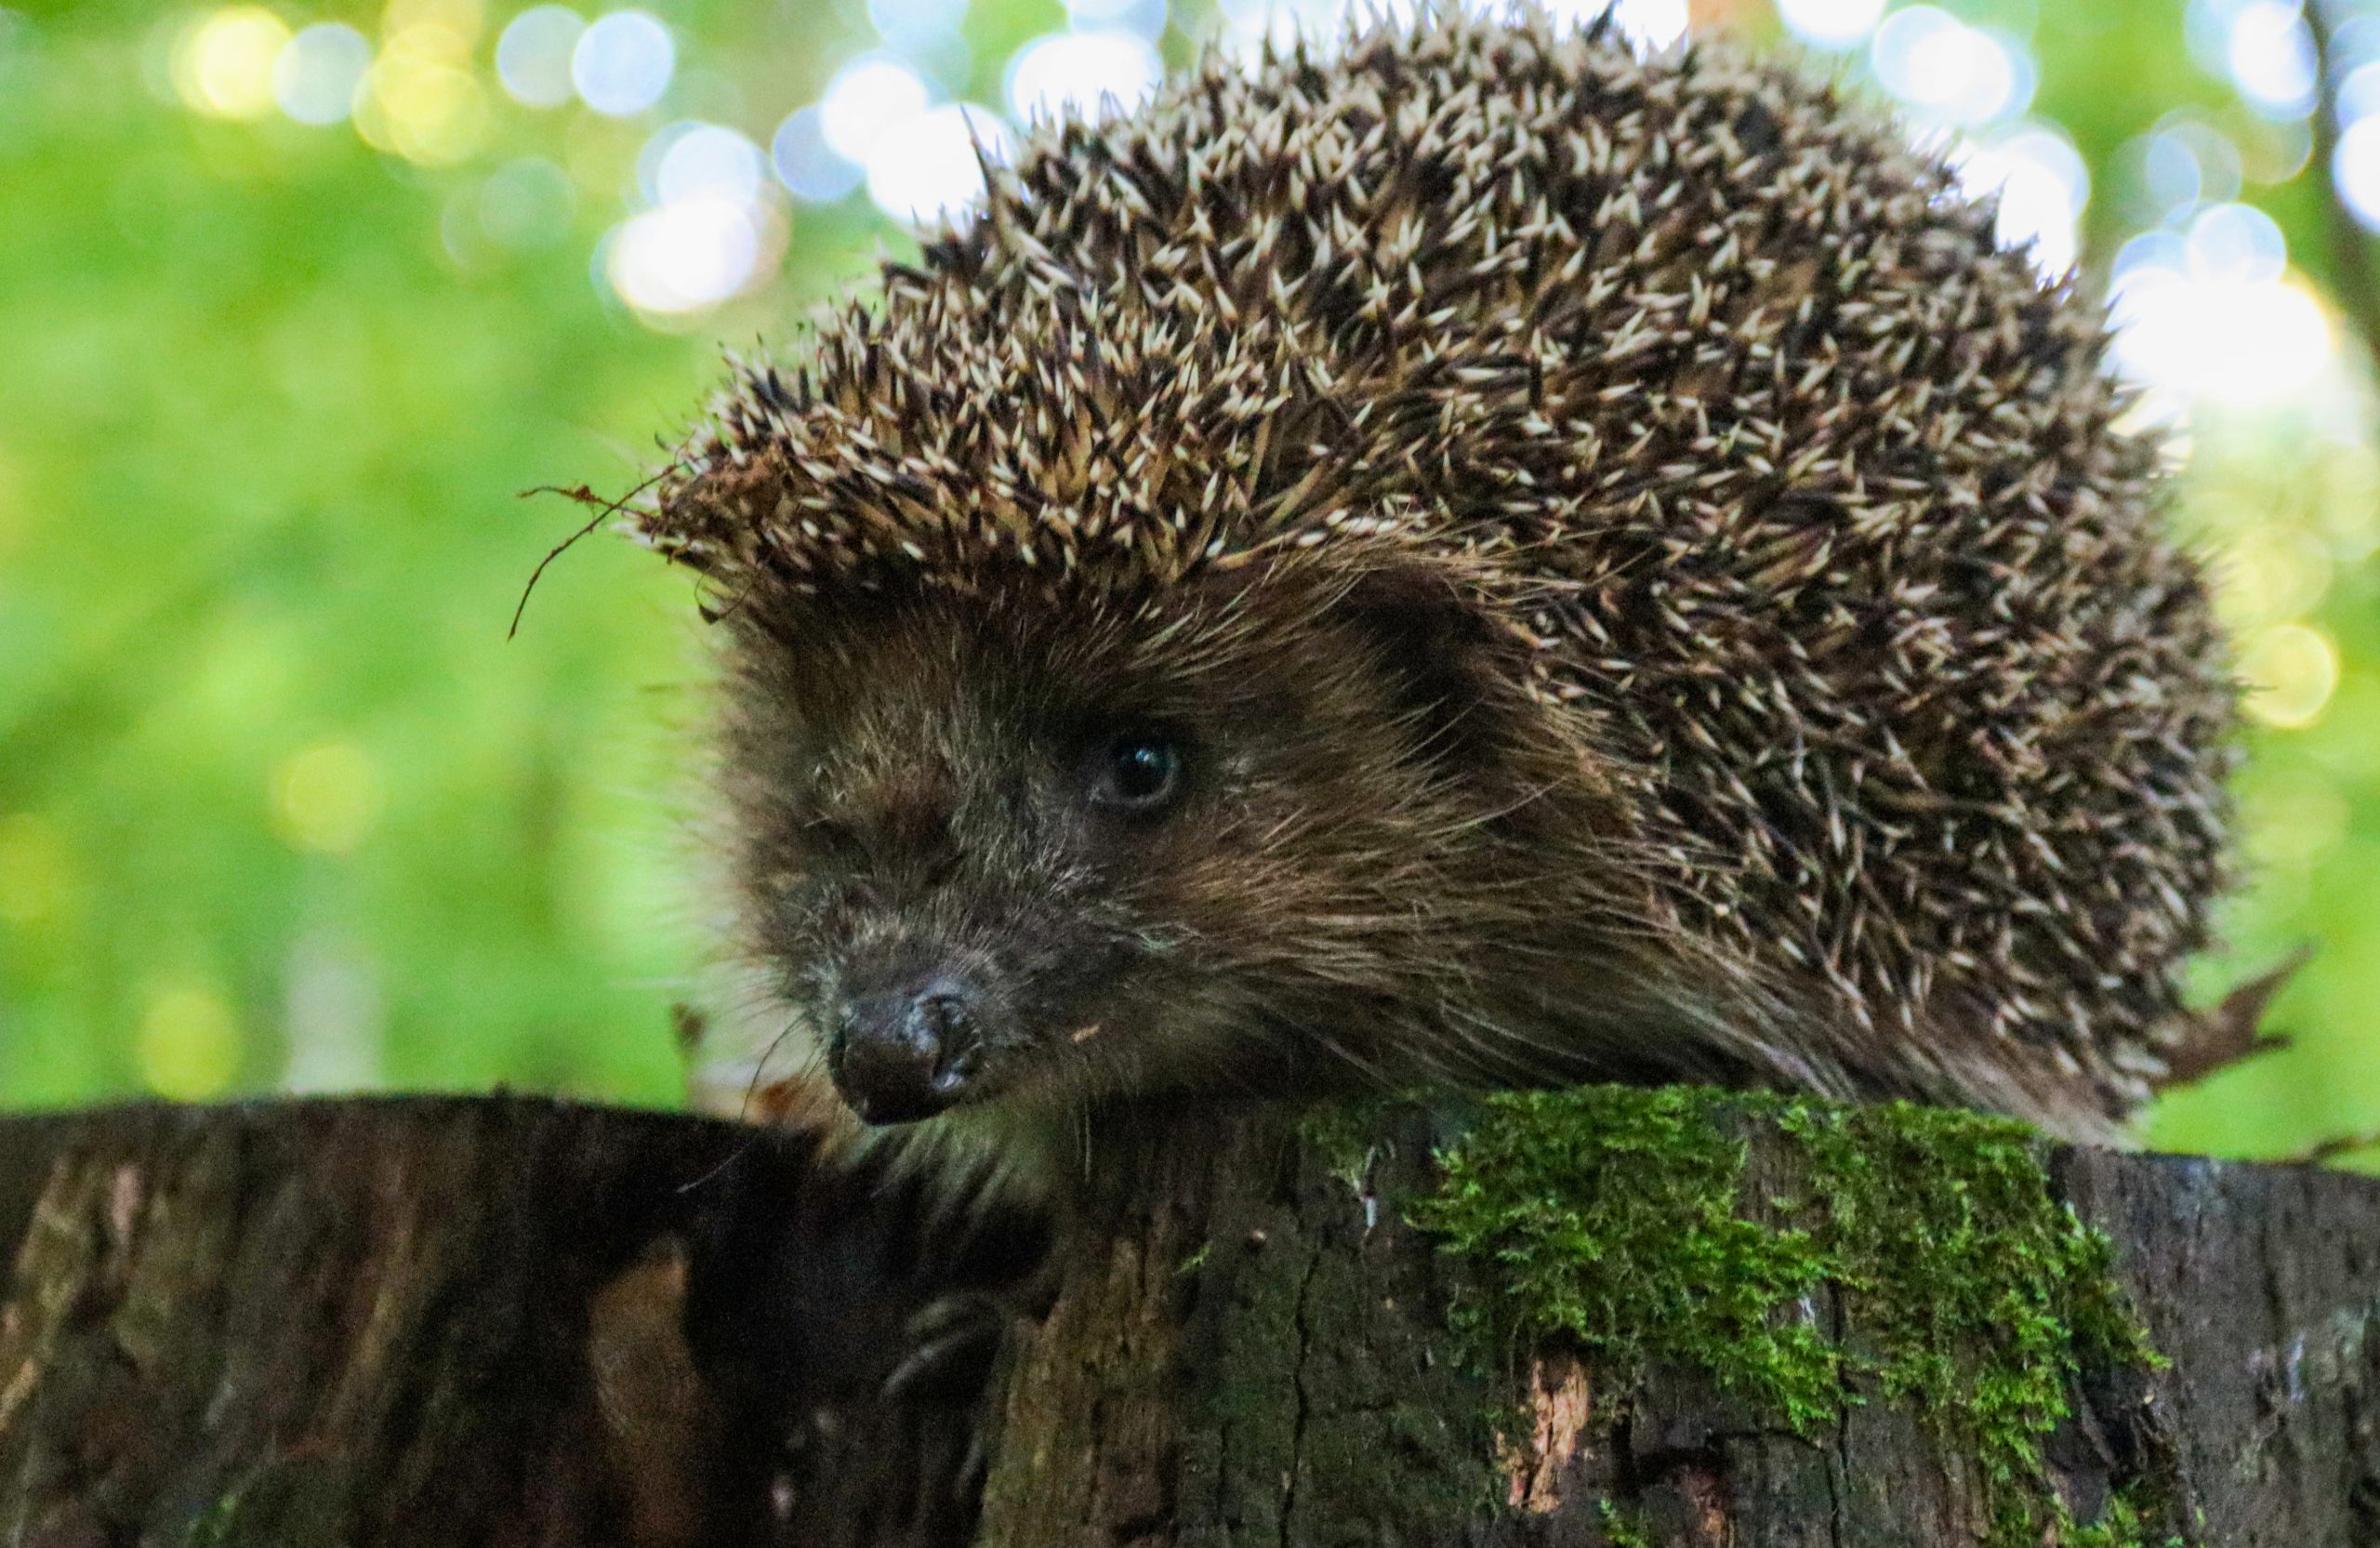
(282, 806)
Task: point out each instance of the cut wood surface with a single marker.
(514, 1321)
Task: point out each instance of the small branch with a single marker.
(584, 495)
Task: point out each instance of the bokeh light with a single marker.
(1831, 23)
(711, 229)
(2213, 314)
(532, 56)
(1074, 74)
(189, 1044)
(691, 159)
(465, 19)
(327, 798)
(2182, 165)
(686, 255)
(918, 27)
(2042, 185)
(810, 169)
(2290, 670)
(316, 73)
(2272, 573)
(2359, 91)
(2269, 53)
(1652, 23)
(2236, 242)
(336, 1014)
(528, 204)
(1249, 26)
(2355, 165)
(622, 63)
(865, 99)
(1142, 19)
(1649, 24)
(420, 99)
(223, 64)
(929, 167)
(1946, 70)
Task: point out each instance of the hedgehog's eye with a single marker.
(1139, 772)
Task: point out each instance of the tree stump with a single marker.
(398, 1322)
(1599, 1317)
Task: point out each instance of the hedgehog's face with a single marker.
(998, 848)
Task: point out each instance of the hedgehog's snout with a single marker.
(908, 1047)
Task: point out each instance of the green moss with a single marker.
(284, 1498)
(1609, 1218)
(2124, 1525)
(1620, 1220)
(1347, 1134)
(1983, 1292)
(1620, 1530)
(213, 1527)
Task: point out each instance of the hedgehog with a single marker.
(1472, 555)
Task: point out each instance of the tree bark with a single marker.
(509, 1321)
(456, 1321)
(1257, 1353)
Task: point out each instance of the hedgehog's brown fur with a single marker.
(1843, 720)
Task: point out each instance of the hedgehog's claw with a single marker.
(955, 1341)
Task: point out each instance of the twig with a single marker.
(584, 495)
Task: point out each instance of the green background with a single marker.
(282, 806)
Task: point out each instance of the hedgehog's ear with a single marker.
(1441, 646)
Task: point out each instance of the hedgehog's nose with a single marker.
(907, 1050)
